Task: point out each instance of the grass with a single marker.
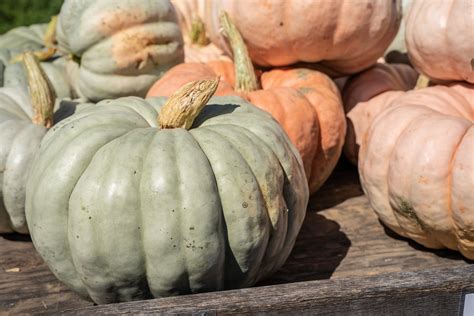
(14, 13)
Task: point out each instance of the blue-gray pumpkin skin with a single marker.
(121, 210)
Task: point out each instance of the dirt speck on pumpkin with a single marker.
(191, 228)
(245, 205)
(119, 19)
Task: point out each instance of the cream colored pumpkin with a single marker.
(416, 165)
(439, 38)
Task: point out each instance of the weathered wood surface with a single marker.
(346, 256)
(421, 292)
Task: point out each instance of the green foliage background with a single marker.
(15, 13)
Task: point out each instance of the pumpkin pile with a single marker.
(155, 148)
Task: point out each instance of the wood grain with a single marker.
(342, 252)
(411, 293)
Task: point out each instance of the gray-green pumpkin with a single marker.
(23, 123)
(121, 209)
(24, 37)
(121, 47)
(31, 38)
(18, 40)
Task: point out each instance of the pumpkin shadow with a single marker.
(342, 185)
(444, 253)
(16, 237)
(319, 249)
(66, 109)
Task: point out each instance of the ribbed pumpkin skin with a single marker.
(416, 166)
(124, 45)
(19, 142)
(121, 210)
(306, 103)
(439, 38)
(188, 11)
(345, 37)
(367, 85)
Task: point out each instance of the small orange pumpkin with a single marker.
(305, 102)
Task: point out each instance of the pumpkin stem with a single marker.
(198, 32)
(186, 103)
(422, 82)
(41, 90)
(49, 40)
(245, 78)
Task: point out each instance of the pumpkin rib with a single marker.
(16, 169)
(450, 189)
(433, 179)
(407, 218)
(252, 172)
(238, 268)
(273, 244)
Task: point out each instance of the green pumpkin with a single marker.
(121, 47)
(19, 141)
(121, 209)
(31, 38)
(55, 70)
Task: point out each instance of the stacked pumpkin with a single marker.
(184, 192)
(415, 160)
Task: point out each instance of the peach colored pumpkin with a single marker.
(416, 165)
(366, 85)
(343, 36)
(197, 47)
(439, 38)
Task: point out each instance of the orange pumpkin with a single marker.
(197, 47)
(365, 86)
(305, 102)
(416, 164)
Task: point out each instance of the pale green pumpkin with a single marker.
(24, 37)
(32, 38)
(23, 123)
(119, 47)
(18, 40)
(121, 209)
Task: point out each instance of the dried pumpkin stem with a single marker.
(49, 38)
(198, 32)
(245, 77)
(422, 82)
(186, 103)
(41, 91)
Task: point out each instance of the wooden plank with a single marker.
(426, 292)
(336, 242)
